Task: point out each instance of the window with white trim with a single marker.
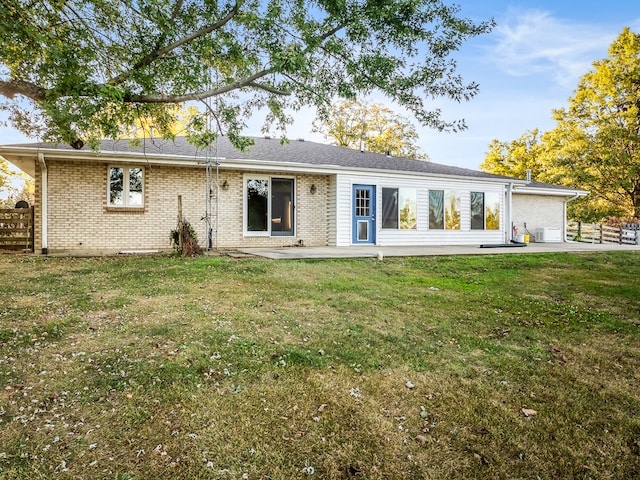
(126, 187)
(399, 208)
(485, 211)
(444, 210)
(268, 206)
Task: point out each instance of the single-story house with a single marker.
(125, 197)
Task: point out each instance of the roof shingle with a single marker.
(272, 150)
(295, 152)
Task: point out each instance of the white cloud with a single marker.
(534, 42)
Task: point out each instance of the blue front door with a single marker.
(364, 214)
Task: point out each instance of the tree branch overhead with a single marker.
(280, 53)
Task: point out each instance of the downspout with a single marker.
(44, 203)
(509, 216)
(564, 215)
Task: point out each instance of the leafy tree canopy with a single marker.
(595, 144)
(372, 127)
(78, 70)
(144, 127)
(514, 158)
(5, 174)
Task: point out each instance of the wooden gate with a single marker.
(16, 229)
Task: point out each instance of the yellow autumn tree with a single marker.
(514, 158)
(371, 127)
(595, 144)
(14, 186)
(5, 174)
(175, 124)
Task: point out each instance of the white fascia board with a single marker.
(126, 157)
(244, 164)
(550, 192)
(399, 174)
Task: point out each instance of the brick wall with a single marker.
(80, 220)
(537, 211)
(310, 213)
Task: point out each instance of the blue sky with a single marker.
(529, 65)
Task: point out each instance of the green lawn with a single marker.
(514, 366)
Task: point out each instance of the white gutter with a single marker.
(564, 215)
(44, 193)
(558, 192)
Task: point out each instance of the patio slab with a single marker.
(427, 251)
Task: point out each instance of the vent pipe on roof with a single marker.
(528, 175)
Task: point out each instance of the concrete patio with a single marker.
(427, 251)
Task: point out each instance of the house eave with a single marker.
(557, 192)
(262, 165)
(26, 154)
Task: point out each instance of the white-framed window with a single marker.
(444, 210)
(485, 211)
(126, 187)
(269, 208)
(399, 208)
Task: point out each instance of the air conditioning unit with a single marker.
(549, 235)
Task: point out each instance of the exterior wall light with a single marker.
(313, 189)
(225, 185)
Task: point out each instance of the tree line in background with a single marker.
(595, 144)
(370, 127)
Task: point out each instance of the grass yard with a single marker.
(514, 366)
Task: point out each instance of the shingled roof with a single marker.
(273, 150)
(296, 152)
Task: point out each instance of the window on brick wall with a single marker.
(268, 206)
(126, 187)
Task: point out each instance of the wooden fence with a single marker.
(16, 229)
(596, 233)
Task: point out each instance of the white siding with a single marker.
(331, 211)
(343, 208)
(422, 235)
